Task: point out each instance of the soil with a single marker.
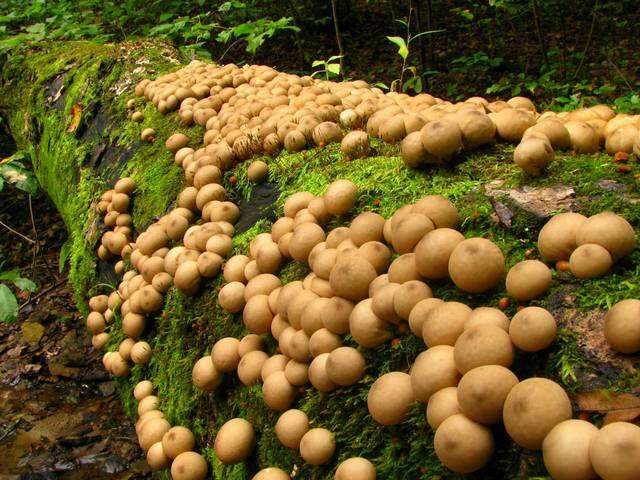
(60, 416)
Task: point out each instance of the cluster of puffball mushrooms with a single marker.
(357, 285)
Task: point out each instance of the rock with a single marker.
(539, 202)
(32, 332)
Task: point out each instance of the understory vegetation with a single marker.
(564, 54)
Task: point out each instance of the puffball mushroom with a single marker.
(609, 230)
(345, 366)
(482, 392)
(528, 280)
(420, 312)
(445, 323)
(340, 197)
(156, 458)
(441, 211)
(317, 446)
(565, 450)
(231, 297)
(511, 123)
(463, 445)
(533, 155)
(234, 441)
(205, 376)
(278, 393)
(271, 473)
(355, 468)
(366, 328)
(433, 370)
(408, 295)
(533, 329)
(590, 260)
(351, 276)
(189, 466)
(187, 277)
(434, 250)
(148, 135)
(442, 405)
(141, 353)
(224, 354)
(557, 238)
(318, 374)
(257, 171)
(441, 139)
(291, 426)
(622, 326)
(584, 138)
(355, 144)
(177, 440)
(366, 227)
(250, 367)
(305, 237)
(615, 451)
(177, 141)
(142, 389)
(532, 408)
(390, 398)
(152, 432)
(483, 345)
(476, 265)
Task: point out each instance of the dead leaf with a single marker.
(604, 401)
(76, 115)
(627, 415)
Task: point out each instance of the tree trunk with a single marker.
(65, 105)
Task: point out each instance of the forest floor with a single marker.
(60, 415)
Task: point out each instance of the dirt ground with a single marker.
(60, 416)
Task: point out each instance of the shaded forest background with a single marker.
(562, 53)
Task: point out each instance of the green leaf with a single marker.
(22, 283)
(8, 305)
(317, 63)
(403, 51)
(334, 68)
(335, 57)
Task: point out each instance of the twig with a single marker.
(541, 40)
(16, 232)
(35, 235)
(589, 38)
(227, 50)
(334, 10)
(622, 76)
(43, 292)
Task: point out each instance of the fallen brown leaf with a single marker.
(76, 115)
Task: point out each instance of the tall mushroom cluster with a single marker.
(370, 280)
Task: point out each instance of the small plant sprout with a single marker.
(415, 81)
(330, 67)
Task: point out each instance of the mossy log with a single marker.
(65, 105)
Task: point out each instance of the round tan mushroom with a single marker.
(476, 265)
(234, 441)
(291, 427)
(390, 398)
(590, 260)
(615, 451)
(442, 405)
(565, 450)
(532, 408)
(433, 370)
(189, 466)
(317, 446)
(482, 392)
(622, 326)
(528, 280)
(463, 445)
(533, 329)
(355, 468)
